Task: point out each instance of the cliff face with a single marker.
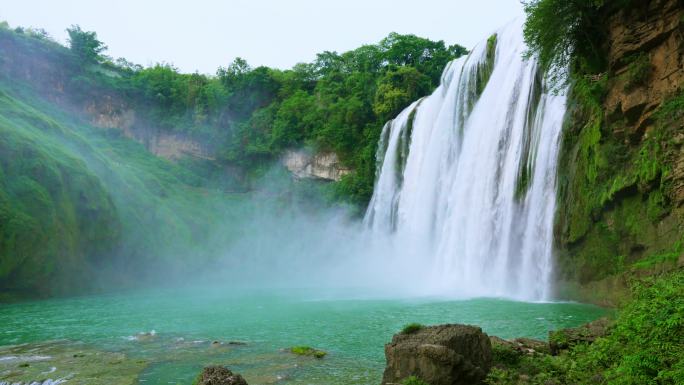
(621, 176)
(44, 65)
(322, 165)
(107, 112)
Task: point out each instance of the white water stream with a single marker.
(467, 176)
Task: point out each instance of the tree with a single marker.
(397, 89)
(85, 45)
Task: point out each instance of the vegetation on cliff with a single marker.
(618, 210)
(645, 345)
(74, 198)
(73, 201)
(338, 102)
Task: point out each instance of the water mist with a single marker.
(466, 181)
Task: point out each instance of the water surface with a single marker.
(350, 326)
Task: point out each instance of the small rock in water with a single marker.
(307, 351)
(237, 343)
(219, 375)
(146, 336)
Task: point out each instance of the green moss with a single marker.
(485, 69)
(413, 380)
(307, 351)
(613, 195)
(638, 70)
(412, 328)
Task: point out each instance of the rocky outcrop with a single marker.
(111, 114)
(646, 60)
(564, 339)
(219, 375)
(521, 346)
(439, 355)
(322, 165)
(621, 170)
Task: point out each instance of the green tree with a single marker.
(85, 45)
(397, 89)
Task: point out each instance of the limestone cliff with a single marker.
(621, 178)
(321, 165)
(107, 112)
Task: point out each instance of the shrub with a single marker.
(412, 328)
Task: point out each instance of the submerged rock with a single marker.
(439, 355)
(307, 351)
(219, 375)
(68, 362)
(564, 339)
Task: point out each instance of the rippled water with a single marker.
(351, 327)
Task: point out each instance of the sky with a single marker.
(201, 35)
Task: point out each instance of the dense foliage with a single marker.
(73, 199)
(73, 202)
(337, 103)
(644, 347)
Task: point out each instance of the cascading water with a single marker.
(467, 176)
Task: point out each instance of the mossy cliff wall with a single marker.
(621, 171)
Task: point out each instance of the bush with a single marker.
(412, 328)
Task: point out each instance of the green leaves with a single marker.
(85, 45)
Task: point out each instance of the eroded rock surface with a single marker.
(322, 165)
(564, 339)
(219, 375)
(439, 355)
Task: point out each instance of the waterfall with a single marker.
(466, 178)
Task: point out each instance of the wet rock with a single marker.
(219, 375)
(146, 336)
(564, 339)
(307, 351)
(439, 355)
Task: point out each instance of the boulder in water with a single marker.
(439, 355)
(219, 375)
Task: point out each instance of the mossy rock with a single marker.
(307, 351)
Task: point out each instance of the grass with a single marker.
(74, 198)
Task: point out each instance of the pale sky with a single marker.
(201, 35)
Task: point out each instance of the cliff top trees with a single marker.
(84, 45)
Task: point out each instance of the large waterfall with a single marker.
(466, 178)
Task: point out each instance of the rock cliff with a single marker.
(322, 165)
(621, 169)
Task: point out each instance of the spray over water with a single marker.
(466, 179)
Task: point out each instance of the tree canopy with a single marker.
(85, 45)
